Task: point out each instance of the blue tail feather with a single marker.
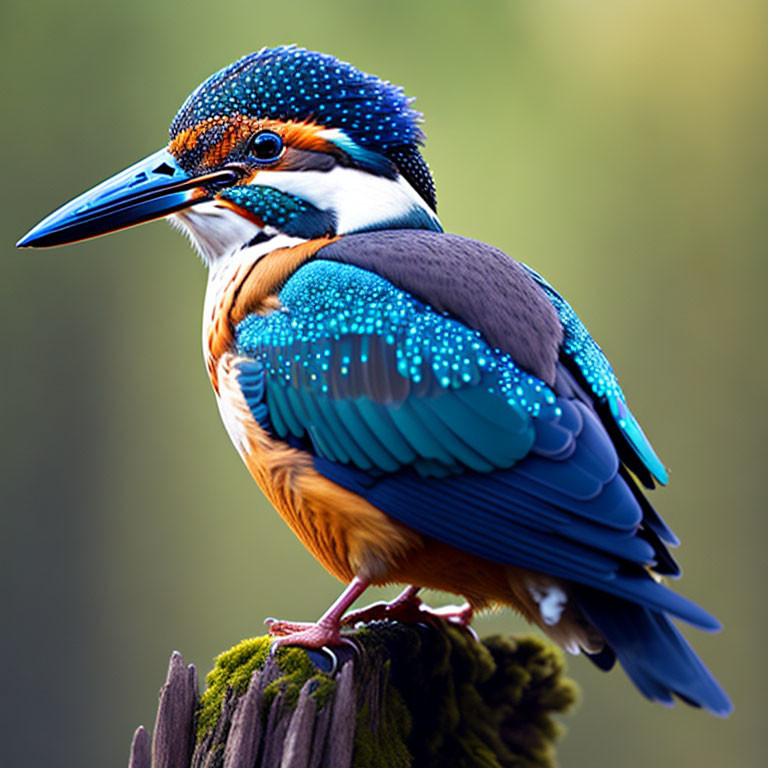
(654, 654)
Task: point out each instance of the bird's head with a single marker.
(282, 142)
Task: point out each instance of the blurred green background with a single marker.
(618, 147)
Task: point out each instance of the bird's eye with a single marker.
(265, 146)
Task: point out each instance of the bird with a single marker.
(419, 407)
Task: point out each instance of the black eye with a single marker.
(265, 145)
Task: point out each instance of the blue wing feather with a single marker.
(380, 424)
(448, 405)
(447, 410)
(415, 413)
(654, 654)
(518, 475)
(346, 366)
(584, 353)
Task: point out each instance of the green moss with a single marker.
(383, 744)
(234, 668)
(427, 696)
(451, 701)
(528, 687)
(298, 668)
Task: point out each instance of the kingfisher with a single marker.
(420, 408)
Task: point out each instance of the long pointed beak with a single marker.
(151, 189)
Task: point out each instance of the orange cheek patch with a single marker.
(237, 128)
(186, 140)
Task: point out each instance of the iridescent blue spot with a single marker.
(422, 346)
(579, 345)
(256, 84)
(279, 209)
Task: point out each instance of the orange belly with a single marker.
(348, 535)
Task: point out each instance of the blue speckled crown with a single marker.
(291, 83)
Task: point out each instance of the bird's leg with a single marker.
(408, 607)
(327, 629)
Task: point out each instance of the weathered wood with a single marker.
(245, 735)
(298, 741)
(320, 737)
(173, 738)
(274, 736)
(412, 695)
(141, 750)
(341, 737)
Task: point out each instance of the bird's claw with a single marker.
(307, 635)
(374, 612)
(279, 628)
(408, 608)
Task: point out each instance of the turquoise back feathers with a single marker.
(598, 375)
(348, 339)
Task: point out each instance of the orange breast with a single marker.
(344, 532)
(252, 288)
(348, 535)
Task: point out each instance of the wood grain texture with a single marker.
(410, 695)
(172, 741)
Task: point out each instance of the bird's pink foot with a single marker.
(278, 628)
(307, 635)
(326, 631)
(409, 608)
(406, 607)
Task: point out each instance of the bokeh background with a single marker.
(618, 147)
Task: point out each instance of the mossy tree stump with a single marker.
(411, 695)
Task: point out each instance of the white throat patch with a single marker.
(214, 229)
